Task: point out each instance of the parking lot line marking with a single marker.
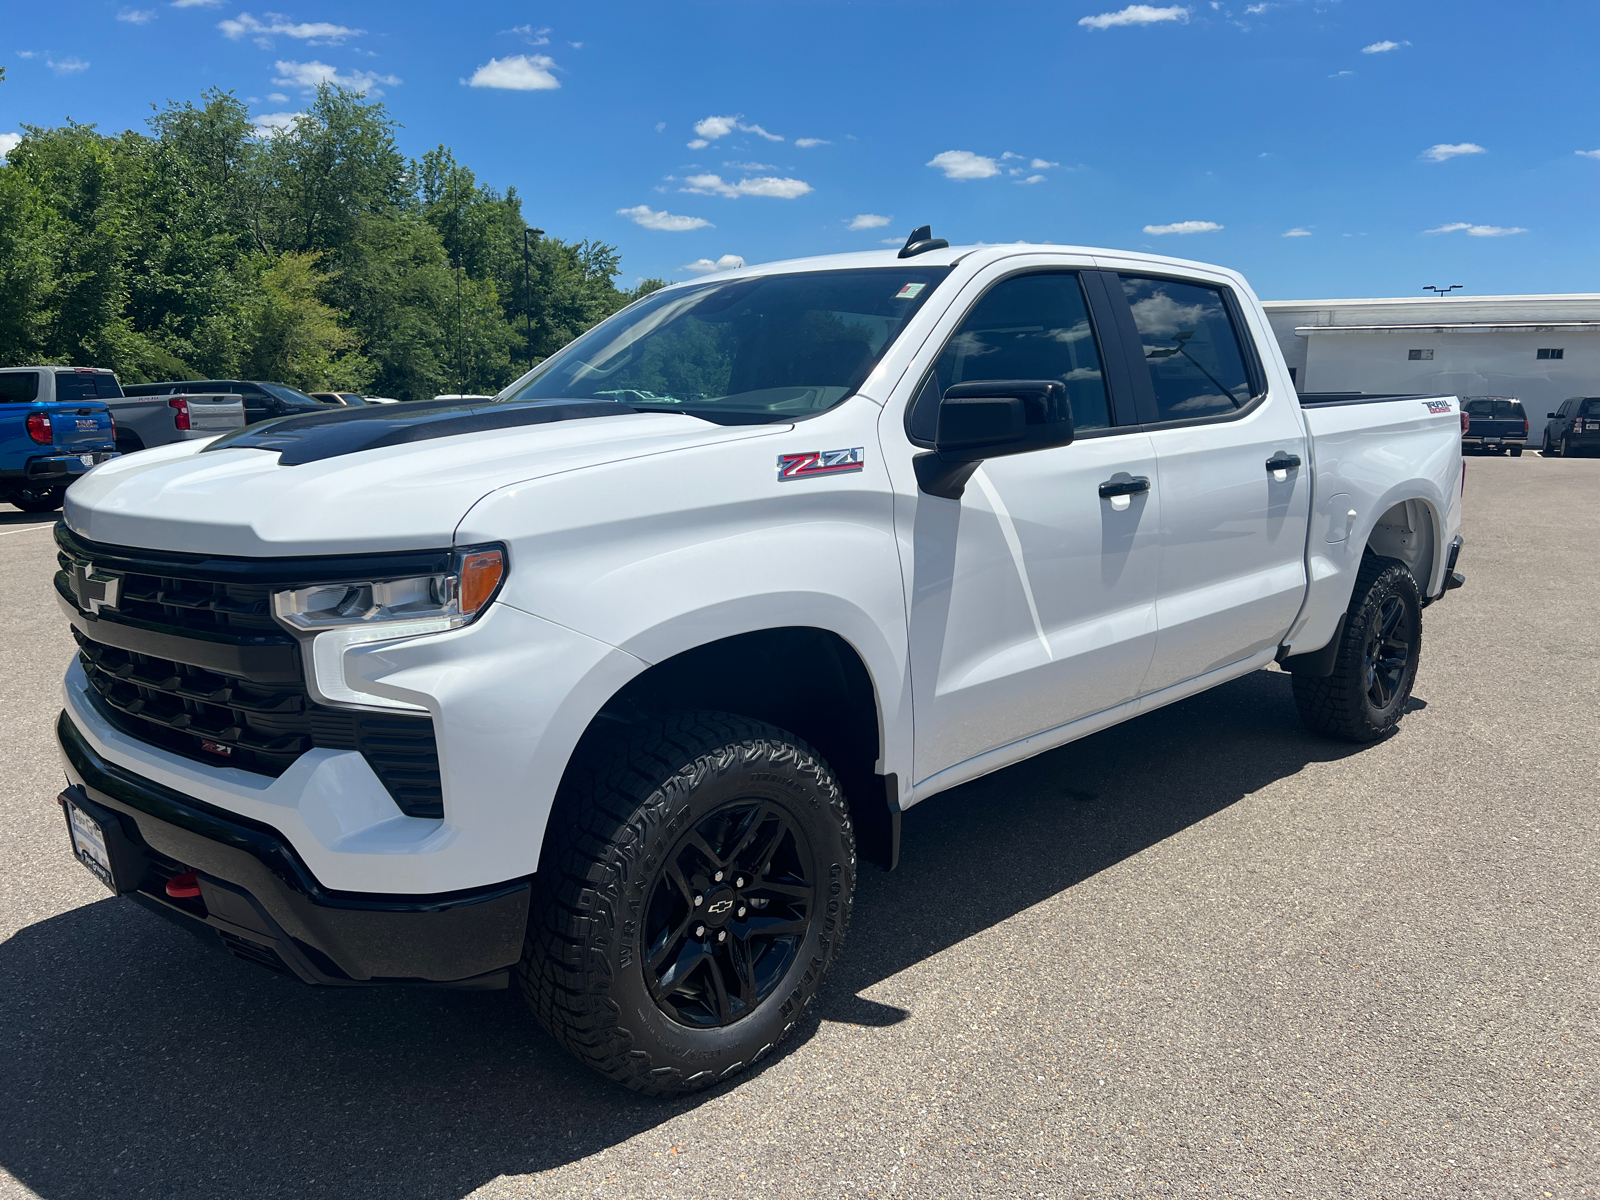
(28, 529)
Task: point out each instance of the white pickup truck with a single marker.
(599, 686)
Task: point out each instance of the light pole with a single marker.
(527, 289)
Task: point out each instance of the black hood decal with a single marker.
(313, 437)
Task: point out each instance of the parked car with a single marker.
(340, 399)
(261, 400)
(45, 443)
(1494, 423)
(1574, 428)
(142, 420)
(461, 396)
(381, 400)
(606, 703)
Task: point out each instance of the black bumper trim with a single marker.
(255, 889)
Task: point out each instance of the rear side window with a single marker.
(82, 385)
(1191, 348)
(1026, 327)
(19, 387)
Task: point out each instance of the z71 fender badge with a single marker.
(820, 462)
(1438, 406)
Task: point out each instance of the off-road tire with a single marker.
(1341, 705)
(1516, 452)
(628, 799)
(41, 501)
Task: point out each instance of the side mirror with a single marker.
(1550, 416)
(990, 419)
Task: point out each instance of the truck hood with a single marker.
(245, 502)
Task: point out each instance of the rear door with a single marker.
(1233, 474)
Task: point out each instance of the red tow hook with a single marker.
(184, 887)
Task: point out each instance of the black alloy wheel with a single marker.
(729, 911)
(1366, 694)
(695, 888)
(1388, 651)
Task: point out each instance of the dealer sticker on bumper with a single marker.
(89, 844)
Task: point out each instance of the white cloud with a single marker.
(1478, 230)
(643, 214)
(277, 97)
(807, 143)
(534, 37)
(269, 123)
(1446, 150)
(137, 16)
(310, 74)
(27, 54)
(1297, 232)
(750, 166)
(709, 129)
(868, 221)
(1255, 10)
(9, 142)
(1040, 164)
(1588, 153)
(661, 126)
(1030, 179)
(1383, 47)
(196, 3)
(964, 164)
(317, 33)
(1184, 227)
(763, 185)
(67, 66)
(1136, 14)
(516, 73)
(1340, 74)
(704, 266)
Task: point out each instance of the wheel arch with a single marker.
(806, 679)
(1411, 531)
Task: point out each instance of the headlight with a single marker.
(330, 618)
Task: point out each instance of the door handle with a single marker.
(1124, 487)
(1283, 462)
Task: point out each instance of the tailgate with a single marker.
(75, 425)
(217, 412)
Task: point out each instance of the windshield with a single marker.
(284, 392)
(742, 352)
(1591, 407)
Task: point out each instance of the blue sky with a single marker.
(1407, 143)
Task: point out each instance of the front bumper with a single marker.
(264, 904)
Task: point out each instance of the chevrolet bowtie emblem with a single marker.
(94, 589)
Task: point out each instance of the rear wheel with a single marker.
(1564, 450)
(696, 891)
(1366, 695)
(1516, 452)
(38, 499)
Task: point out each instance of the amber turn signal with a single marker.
(480, 576)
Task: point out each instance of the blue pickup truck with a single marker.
(44, 446)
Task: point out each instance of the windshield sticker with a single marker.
(910, 292)
(820, 462)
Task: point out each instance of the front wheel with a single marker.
(696, 890)
(1366, 695)
(38, 499)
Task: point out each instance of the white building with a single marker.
(1539, 349)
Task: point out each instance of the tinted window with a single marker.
(148, 389)
(19, 386)
(1479, 408)
(76, 385)
(1591, 407)
(290, 395)
(746, 351)
(1026, 327)
(1190, 347)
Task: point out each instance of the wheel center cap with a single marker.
(719, 907)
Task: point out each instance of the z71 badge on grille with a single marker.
(820, 462)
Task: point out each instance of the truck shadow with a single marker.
(136, 1062)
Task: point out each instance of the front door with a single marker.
(1233, 528)
(1033, 598)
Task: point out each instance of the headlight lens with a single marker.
(404, 607)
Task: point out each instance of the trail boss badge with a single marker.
(820, 462)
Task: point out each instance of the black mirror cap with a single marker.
(991, 418)
(1550, 416)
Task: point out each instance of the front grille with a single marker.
(228, 688)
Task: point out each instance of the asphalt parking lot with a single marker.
(1202, 954)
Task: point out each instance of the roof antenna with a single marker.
(921, 241)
